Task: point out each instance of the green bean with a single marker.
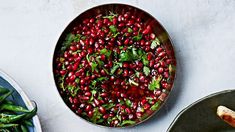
(4, 130)
(3, 90)
(7, 125)
(5, 118)
(23, 128)
(16, 129)
(28, 123)
(8, 102)
(14, 108)
(4, 96)
(31, 114)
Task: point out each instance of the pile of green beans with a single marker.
(14, 118)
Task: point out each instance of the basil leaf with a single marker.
(146, 70)
(155, 83)
(129, 122)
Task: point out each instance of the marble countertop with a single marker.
(203, 32)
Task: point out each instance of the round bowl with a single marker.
(201, 115)
(19, 98)
(118, 8)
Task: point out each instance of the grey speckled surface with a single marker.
(203, 32)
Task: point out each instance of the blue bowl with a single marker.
(19, 98)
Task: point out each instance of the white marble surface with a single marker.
(203, 32)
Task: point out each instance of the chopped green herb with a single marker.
(137, 37)
(128, 103)
(93, 66)
(72, 90)
(113, 29)
(155, 43)
(127, 122)
(137, 74)
(171, 68)
(132, 82)
(110, 16)
(155, 83)
(96, 115)
(93, 92)
(77, 80)
(150, 99)
(108, 106)
(106, 52)
(129, 30)
(116, 34)
(155, 106)
(102, 79)
(146, 70)
(115, 67)
(145, 60)
(68, 40)
(101, 63)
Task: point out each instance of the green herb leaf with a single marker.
(115, 67)
(73, 90)
(128, 102)
(96, 115)
(116, 34)
(146, 70)
(137, 74)
(145, 60)
(133, 82)
(111, 16)
(108, 106)
(137, 37)
(102, 79)
(155, 83)
(127, 122)
(106, 52)
(93, 66)
(155, 106)
(171, 68)
(129, 30)
(113, 29)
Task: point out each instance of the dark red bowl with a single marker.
(118, 8)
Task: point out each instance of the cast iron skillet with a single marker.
(118, 8)
(201, 115)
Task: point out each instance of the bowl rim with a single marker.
(122, 4)
(25, 98)
(196, 102)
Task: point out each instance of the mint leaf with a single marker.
(129, 30)
(146, 70)
(127, 122)
(155, 83)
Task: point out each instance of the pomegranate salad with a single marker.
(113, 70)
